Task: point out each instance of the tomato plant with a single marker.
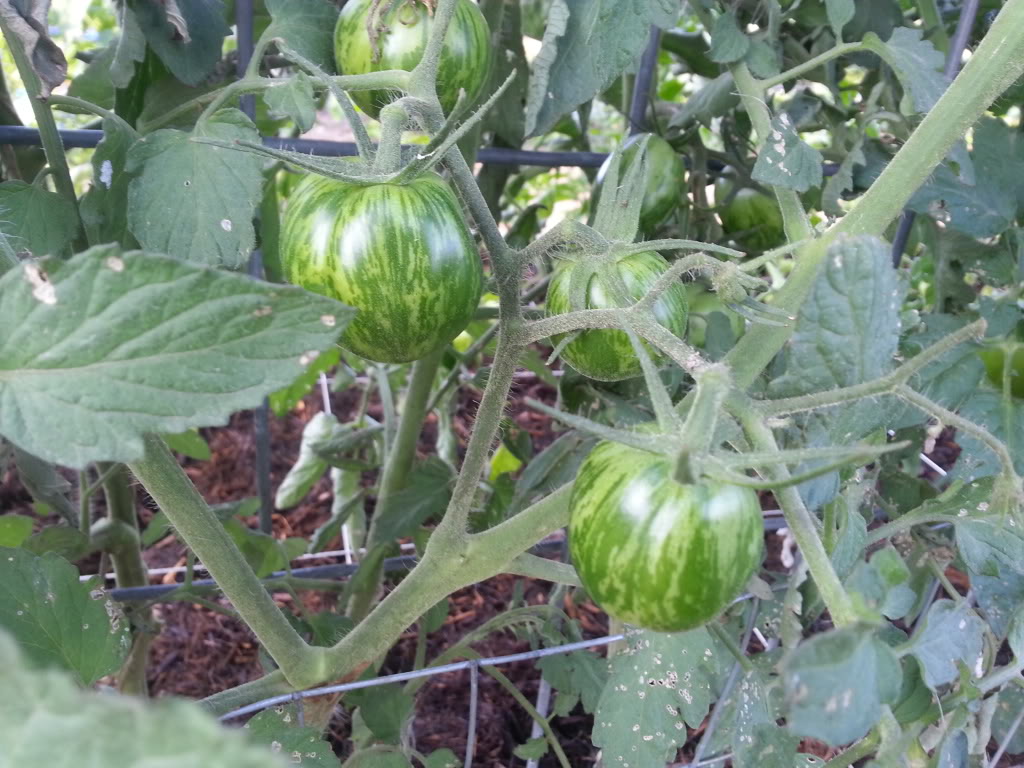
(401, 254)
(663, 192)
(654, 552)
(437, 441)
(608, 355)
(397, 41)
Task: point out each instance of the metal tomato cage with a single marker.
(84, 138)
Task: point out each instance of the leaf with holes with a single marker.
(951, 632)
(104, 207)
(786, 160)
(196, 201)
(836, 684)
(84, 361)
(56, 620)
(658, 686)
(278, 730)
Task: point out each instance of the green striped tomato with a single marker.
(607, 354)
(399, 253)
(665, 176)
(653, 552)
(465, 56)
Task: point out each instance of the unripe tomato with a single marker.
(750, 216)
(606, 354)
(653, 552)
(995, 358)
(665, 177)
(399, 253)
(465, 57)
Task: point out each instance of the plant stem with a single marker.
(389, 151)
(861, 749)
(533, 567)
(88, 106)
(396, 469)
(731, 645)
(798, 518)
(843, 49)
(200, 529)
(545, 726)
(272, 684)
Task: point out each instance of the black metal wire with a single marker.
(83, 138)
(642, 83)
(957, 45)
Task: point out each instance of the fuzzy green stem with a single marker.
(389, 151)
(422, 82)
(396, 469)
(731, 645)
(798, 518)
(200, 529)
(698, 432)
(88, 106)
(858, 751)
(882, 385)
(843, 49)
(533, 567)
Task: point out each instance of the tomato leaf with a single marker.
(286, 398)
(916, 62)
(45, 484)
(506, 118)
(105, 729)
(196, 201)
(104, 207)
(951, 632)
(36, 221)
(786, 160)
(25, 25)
(836, 683)
(728, 43)
(55, 619)
(14, 529)
(839, 14)
(83, 360)
(278, 730)
(189, 42)
(987, 206)
(307, 27)
(587, 44)
(1011, 702)
(426, 494)
(310, 466)
(998, 598)
(1004, 420)
(293, 99)
(657, 686)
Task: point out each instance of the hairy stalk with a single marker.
(798, 518)
(200, 529)
(880, 386)
(843, 49)
(129, 570)
(272, 684)
(396, 471)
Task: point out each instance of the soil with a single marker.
(199, 651)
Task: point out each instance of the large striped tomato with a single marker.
(465, 57)
(653, 552)
(399, 253)
(665, 175)
(608, 354)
